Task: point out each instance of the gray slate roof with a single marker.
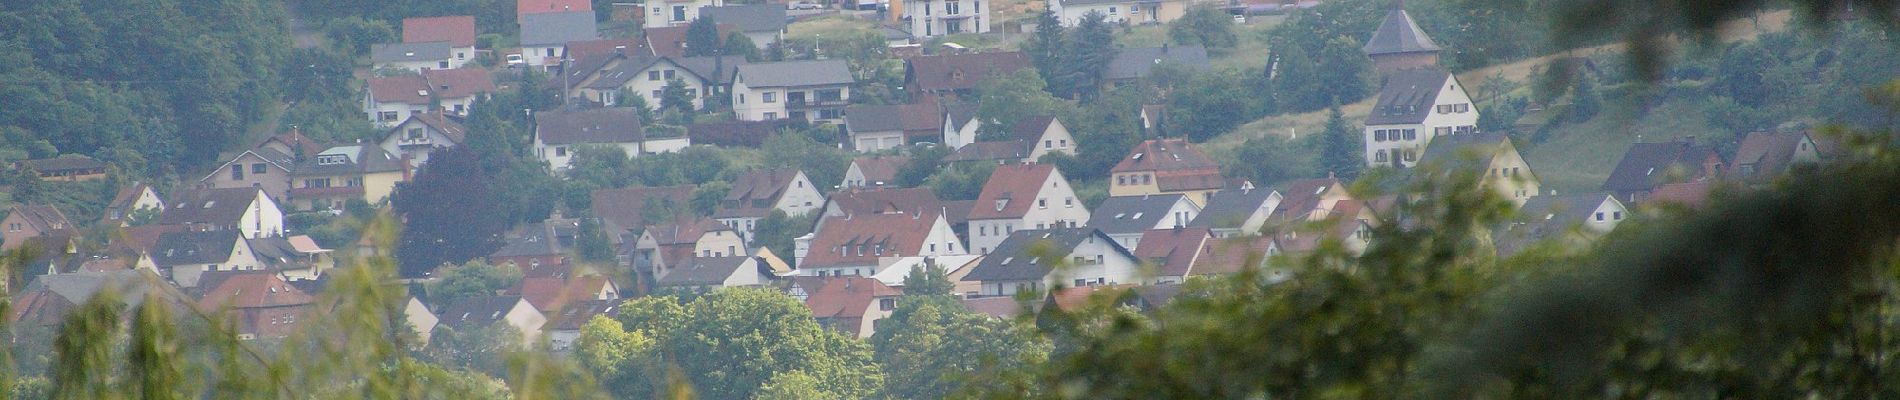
(361, 159)
(597, 126)
(1445, 149)
(406, 52)
(208, 206)
(865, 118)
(1132, 214)
(796, 73)
(557, 28)
(1644, 164)
(1229, 208)
(180, 248)
(1137, 62)
(1398, 34)
(477, 311)
(1011, 260)
(748, 18)
(1407, 96)
(704, 271)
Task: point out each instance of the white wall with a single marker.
(1054, 140)
(1112, 12)
(1452, 94)
(659, 14)
(801, 197)
(927, 16)
(958, 136)
(866, 142)
(262, 218)
(417, 150)
(748, 103)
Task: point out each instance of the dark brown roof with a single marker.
(458, 30)
(450, 126)
(671, 41)
(621, 208)
(248, 289)
(880, 168)
(64, 163)
(1645, 165)
(578, 314)
(478, 311)
(961, 71)
(883, 201)
(862, 239)
(1177, 165)
(990, 151)
(1015, 187)
(845, 298)
(1226, 256)
(597, 126)
(441, 83)
(585, 48)
(733, 133)
(754, 193)
(1302, 197)
(43, 218)
(1031, 129)
(524, 7)
(209, 206)
(1174, 251)
(1694, 195)
(1765, 155)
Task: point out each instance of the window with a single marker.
(951, 8)
(1464, 107)
(657, 94)
(550, 51)
(1111, 11)
(1599, 216)
(1379, 156)
(742, 98)
(1617, 215)
(258, 169)
(1068, 202)
(679, 13)
(1042, 203)
(1411, 134)
(886, 304)
(653, 75)
(237, 172)
(1411, 155)
(771, 115)
(560, 151)
(1378, 135)
(1441, 131)
(1064, 143)
(669, 74)
(769, 97)
(386, 116)
(1047, 144)
(442, 64)
(1134, 8)
(1121, 180)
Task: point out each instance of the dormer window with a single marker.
(332, 159)
(1000, 203)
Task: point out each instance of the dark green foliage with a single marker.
(823, 164)
(739, 45)
(475, 278)
(1087, 51)
(1209, 105)
(451, 212)
(483, 349)
(1743, 68)
(707, 196)
(1205, 25)
(675, 97)
(1585, 101)
(1344, 72)
(727, 343)
(595, 246)
(1044, 48)
(1271, 159)
(931, 346)
(1007, 100)
(1340, 147)
(776, 231)
(930, 281)
(1295, 81)
(702, 38)
(924, 160)
(960, 181)
(354, 35)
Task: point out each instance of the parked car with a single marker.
(514, 60)
(803, 5)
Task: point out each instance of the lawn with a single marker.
(1577, 158)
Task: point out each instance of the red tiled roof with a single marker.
(862, 239)
(1001, 307)
(1227, 256)
(43, 218)
(1694, 195)
(399, 89)
(882, 201)
(524, 7)
(846, 298)
(961, 71)
(628, 46)
(1016, 186)
(621, 208)
(443, 83)
(1176, 163)
(880, 168)
(458, 30)
(755, 192)
(249, 289)
(1303, 196)
(1174, 251)
(671, 41)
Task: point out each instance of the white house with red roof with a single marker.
(458, 31)
(393, 99)
(865, 244)
(1019, 197)
(756, 193)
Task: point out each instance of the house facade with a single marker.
(707, 273)
(809, 90)
(1400, 44)
(1089, 257)
(848, 304)
(604, 78)
(1137, 12)
(246, 210)
(1127, 218)
(30, 221)
(132, 200)
(932, 18)
(873, 172)
(456, 30)
(1022, 197)
(186, 256)
(664, 13)
(1238, 211)
(863, 244)
(559, 134)
(422, 134)
(764, 24)
(960, 125)
(1646, 166)
(1504, 169)
(756, 193)
(1416, 106)
(393, 99)
(334, 177)
(484, 312)
(1166, 166)
(413, 56)
(544, 36)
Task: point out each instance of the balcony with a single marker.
(799, 104)
(333, 191)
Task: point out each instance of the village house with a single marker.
(958, 75)
(1137, 63)
(539, 248)
(392, 99)
(1678, 196)
(856, 201)
(747, 134)
(267, 165)
(335, 176)
(1568, 221)
(293, 258)
(475, 313)
(246, 210)
(67, 168)
(1154, 119)
(1763, 156)
(458, 31)
(663, 248)
(1166, 166)
(1646, 165)
(564, 327)
(25, 221)
(132, 201)
(526, 7)
(862, 244)
(873, 172)
(1238, 211)
(1308, 200)
(1127, 219)
(551, 294)
(581, 50)
(1025, 197)
(954, 269)
(1399, 43)
(664, 13)
(602, 79)
(559, 134)
(960, 125)
(671, 41)
(1416, 106)
(1505, 170)
(702, 274)
(623, 211)
(260, 304)
(420, 319)
(413, 57)
(884, 127)
(756, 193)
(422, 134)
(1029, 139)
(184, 257)
(46, 302)
(1131, 12)
(764, 24)
(848, 304)
(1090, 258)
(805, 90)
(544, 36)
(1171, 254)
(1232, 255)
(1348, 223)
(932, 18)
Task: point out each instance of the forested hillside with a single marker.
(154, 86)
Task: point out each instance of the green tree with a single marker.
(1295, 80)
(626, 362)
(1210, 104)
(924, 160)
(1585, 101)
(776, 231)
(675, 97)
(1011, 98)
(475, 278)
(702, 37)
(595, 246)
(707, 196)
(1341, 147)
(930, 346)
(1345, 74)
(1742, 73)
(450, 211)
(731, 342)
(929, 281)
(1271, 159)
(357, 34)
(960, 181)
(1205, 25)
(1088, 50)
(740, 45)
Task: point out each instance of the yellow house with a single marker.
(339, 174)
(1166, 166)
(1505, 170)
